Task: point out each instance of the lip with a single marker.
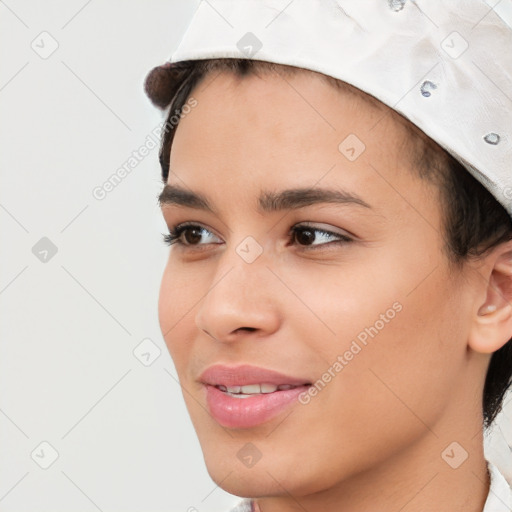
(232, 412)
(245, 375)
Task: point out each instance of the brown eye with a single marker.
(188, 235)
(307, 236)
(192, 235)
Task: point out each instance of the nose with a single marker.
(241, 298)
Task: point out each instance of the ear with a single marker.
(492, 321)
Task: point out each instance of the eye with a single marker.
(192, 234)
(308, 235)
(305, 235)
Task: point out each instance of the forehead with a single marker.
(283, 113)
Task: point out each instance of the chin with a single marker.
(248, 482)
(278, 472)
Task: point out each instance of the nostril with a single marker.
(250, 329)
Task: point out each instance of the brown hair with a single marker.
(474, 221)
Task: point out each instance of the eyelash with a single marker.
(173, 237)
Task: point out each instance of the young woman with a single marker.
(338, 295)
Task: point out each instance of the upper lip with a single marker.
(244, 375)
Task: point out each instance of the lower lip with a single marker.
(249, 412)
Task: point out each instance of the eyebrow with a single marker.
(269, 201)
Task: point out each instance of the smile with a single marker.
(247, 396)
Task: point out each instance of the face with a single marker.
(347, 300)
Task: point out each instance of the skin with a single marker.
(372, 439)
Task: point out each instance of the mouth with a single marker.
(255, 389)
(247, 396)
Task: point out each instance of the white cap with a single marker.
(444, 65)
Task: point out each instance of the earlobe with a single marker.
(492, 323)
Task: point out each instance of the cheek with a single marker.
(396, 326)
(179, 292)
(399, 377)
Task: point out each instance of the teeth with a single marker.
(251, 389)
(268, 388)
(254, 389)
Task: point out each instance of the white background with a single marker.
(69, 325)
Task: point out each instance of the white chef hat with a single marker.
(444, 65)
